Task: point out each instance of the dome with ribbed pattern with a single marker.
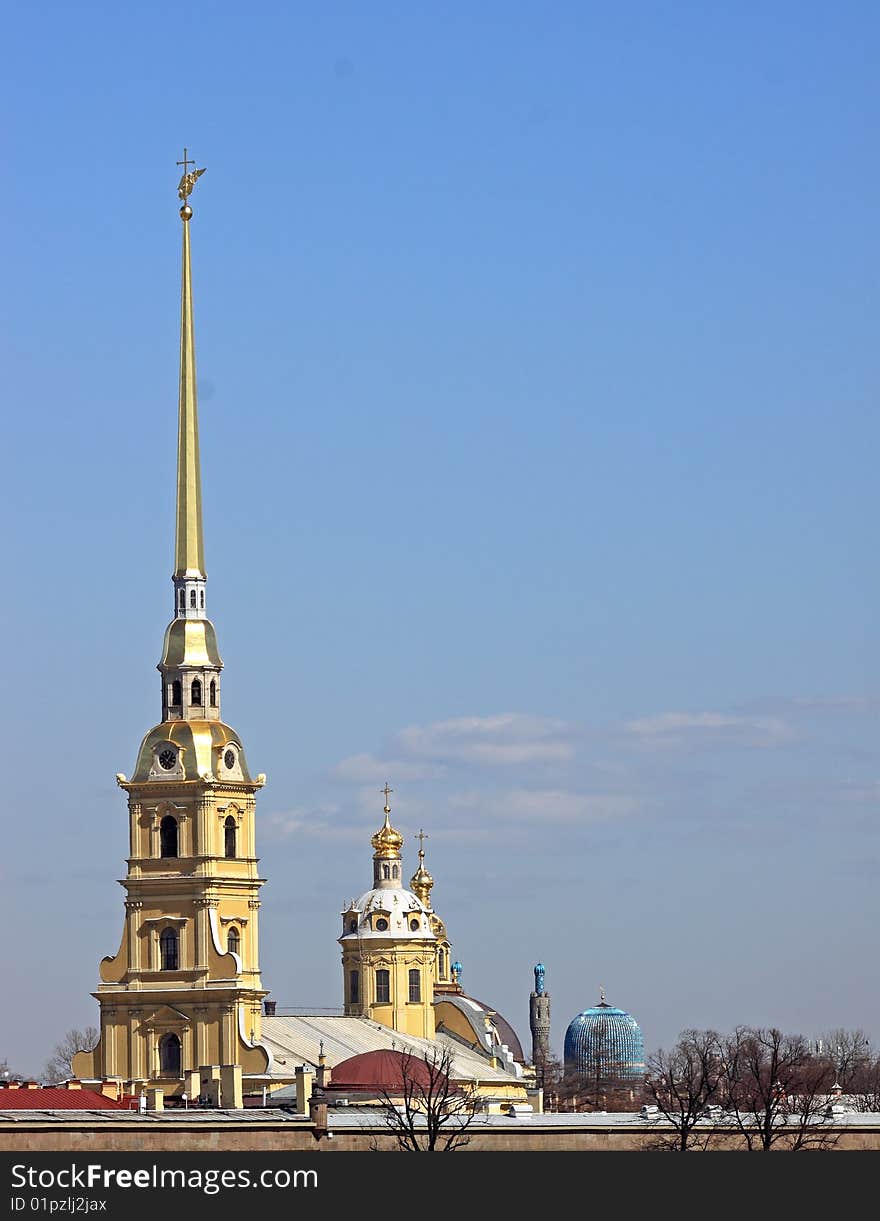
(605, 1041)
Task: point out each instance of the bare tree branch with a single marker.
(683, 1085)
(430, 1112)
(59, 1066)
(776, 1091)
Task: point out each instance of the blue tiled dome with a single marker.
(605, 1040)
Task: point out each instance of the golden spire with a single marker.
(386, 842)
(421, 881)
(189, 558)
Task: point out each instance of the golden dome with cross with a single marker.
(387, 842)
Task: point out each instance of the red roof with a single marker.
(379, 1071)
(57, 1098)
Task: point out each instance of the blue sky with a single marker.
(538, 365)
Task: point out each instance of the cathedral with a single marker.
(182, 1003)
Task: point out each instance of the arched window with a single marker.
(415, 985)
(192, 598)
(383, 986)
(168, 945)
(233, 942)
(213, 691)
(195, 693)
(168, 836)
(229, 830)
(202, 599)
(181, 601)
(352, 926)
(169, 1055)
(395, 872)
(386, 872)
(441, 964)
(175, 693)
(354, 987)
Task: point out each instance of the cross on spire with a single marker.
(186, 161)
(386, 791)
(421, 837)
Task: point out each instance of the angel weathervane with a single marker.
(188, 181)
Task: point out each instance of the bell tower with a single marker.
(182, 997)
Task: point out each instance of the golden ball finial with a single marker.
(186, 212)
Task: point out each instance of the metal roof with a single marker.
(297, 1040)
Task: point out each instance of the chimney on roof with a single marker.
(269, 1008)
(73, 1084)
(13, 1085)
(31, 1085)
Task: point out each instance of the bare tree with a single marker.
(864, 1090)
(776, 1091)
(849, 1051)
(683, 1084)
(59, 1066)
(429, 1113)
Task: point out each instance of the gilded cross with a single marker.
(386, 791)
(421, 837)
(186, 161)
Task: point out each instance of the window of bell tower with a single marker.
(229, 832)
(192, 599)
(233, 941)
(168, 949)
(213, 692)
(168, 836)
(195, 694)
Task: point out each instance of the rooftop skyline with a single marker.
(537, 373)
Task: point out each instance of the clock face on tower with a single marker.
(229, 759)
(167, 758)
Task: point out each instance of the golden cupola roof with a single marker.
(387, 842)
(421, 881)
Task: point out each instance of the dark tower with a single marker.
(539, 1021)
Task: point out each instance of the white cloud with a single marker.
(504, 739)
(301, 820)
(546, 805)
(837, 703)
(711, 729)
(366, 768)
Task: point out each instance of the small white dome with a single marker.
(406, 915)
